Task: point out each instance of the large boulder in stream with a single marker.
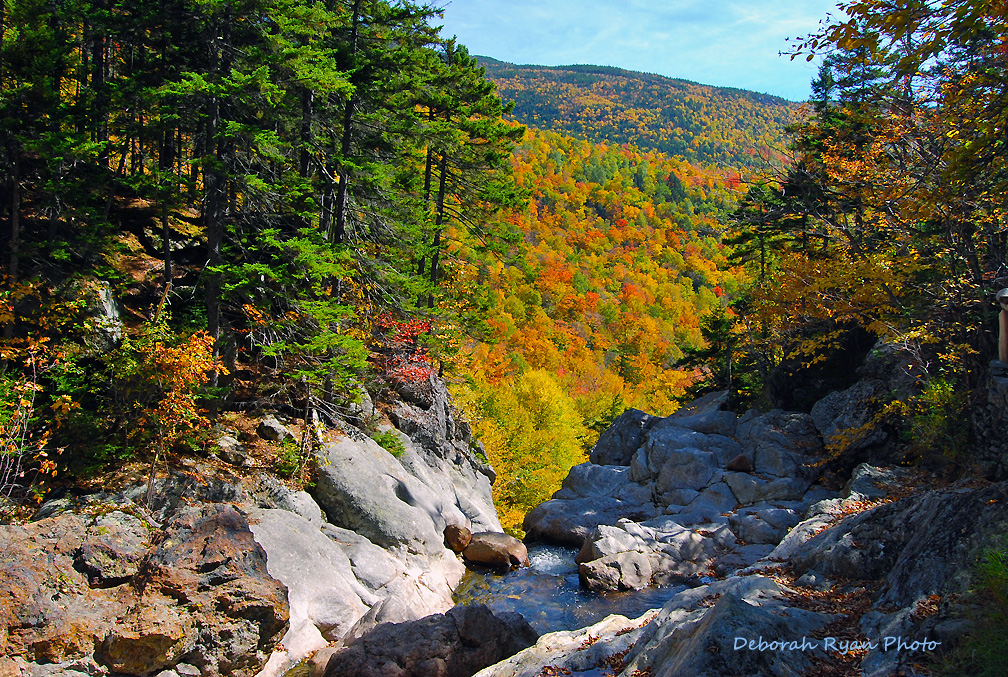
(455, 644)
(496, 550)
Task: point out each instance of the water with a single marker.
(549, 595)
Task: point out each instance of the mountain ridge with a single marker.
(703, 124)
(617, 70)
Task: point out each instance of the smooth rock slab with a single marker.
(363, 488)
(325, 597)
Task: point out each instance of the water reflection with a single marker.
(549, 596)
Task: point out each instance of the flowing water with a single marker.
(549, 596)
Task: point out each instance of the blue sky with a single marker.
(713, 42)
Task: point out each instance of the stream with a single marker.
(548, 593)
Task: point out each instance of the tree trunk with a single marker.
(216, 196)
(439, 221)
(100, 110)
(307, 105)
(427, 195)
(166, 163)
(344, 179)
(15, 219)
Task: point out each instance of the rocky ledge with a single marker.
(700, 493)
(229, 574)
(873, 593)
(786, 576)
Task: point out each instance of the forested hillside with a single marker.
(703, 124)
(621, 266)
(891, 220)
(230, 207)
(213, 207)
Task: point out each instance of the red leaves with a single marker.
(403, 358)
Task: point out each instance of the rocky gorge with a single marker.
(234, 573)
(811, 566)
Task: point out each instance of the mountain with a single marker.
(700, 123)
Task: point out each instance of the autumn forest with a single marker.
(210, 208)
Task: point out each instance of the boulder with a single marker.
(740, 463)
(101, 313)
(590, 480)
(618, 443)
(767, 526)
(846, 419)
(792, 430)
(570, 522)
(705, 640)
(775, 460)
(455, 644)
(918, 545)
(496, 550)
(621, 571)
(870, 482)
(585, 650)
(215, 575)
(266, 491)
(457, 537)
(232, 451)
(707, 404)
(271, 429)
(708, 506)
(713, 422)
(688, 468)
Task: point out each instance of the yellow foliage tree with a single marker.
(533, 435)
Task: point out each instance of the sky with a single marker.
(713, 42)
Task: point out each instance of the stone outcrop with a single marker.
(703, 491)
(849, 420)
(784, 572)
(109, 590)
(243, 576)
(893, 570)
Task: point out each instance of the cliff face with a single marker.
(792, 573)
(237, 576)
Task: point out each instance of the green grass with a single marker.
(390, 441)
(984, 651)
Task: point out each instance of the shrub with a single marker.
(984, 651)
(390, 441)
(288, 460)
